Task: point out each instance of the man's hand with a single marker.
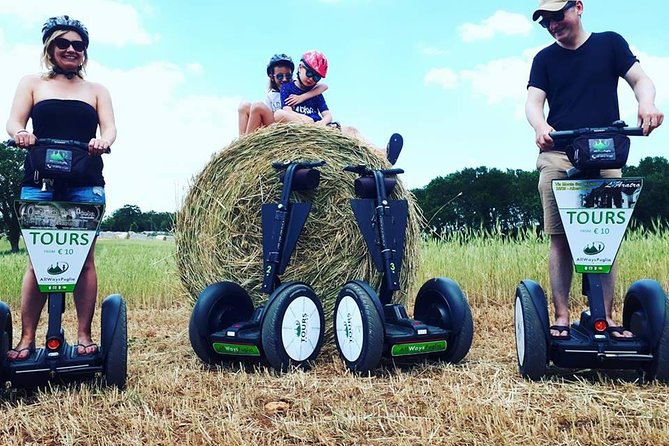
(543, 139)
(650, 118)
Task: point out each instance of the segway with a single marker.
(288, 330)
(367, 325)
(58, 236)
(595, 213)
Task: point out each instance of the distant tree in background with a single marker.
(11, 174)
(131, 218)
(653, 205)
(481, 198)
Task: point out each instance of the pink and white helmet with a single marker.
(316, 61)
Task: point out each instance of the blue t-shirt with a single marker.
(581, 85)
(312, 107)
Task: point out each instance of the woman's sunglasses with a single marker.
(281, 76)
(63, 44)
(556, 16)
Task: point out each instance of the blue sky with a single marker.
(450, 76)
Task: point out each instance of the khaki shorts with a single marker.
(553, 166)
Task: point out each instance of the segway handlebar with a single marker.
(300, 164)
(361, 169)
(571, 134)
(59, 142)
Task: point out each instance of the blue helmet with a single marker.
(277, 58)
(64, 22)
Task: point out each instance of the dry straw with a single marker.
(218, 229)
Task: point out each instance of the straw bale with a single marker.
(218, 228)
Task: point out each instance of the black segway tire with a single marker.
(218, 306)
(646, 314)
(5, 336)
(358, 327)
(114, 342)
(531, 346)
(441, 302)
(293, 327)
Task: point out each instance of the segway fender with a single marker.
(540, 304)
(271, 229)
(111, 309)
(363, 209)
(648, 295)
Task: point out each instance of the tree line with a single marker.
(508, 201)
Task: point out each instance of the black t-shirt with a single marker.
(581, 85)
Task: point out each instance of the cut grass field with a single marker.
(173, 399)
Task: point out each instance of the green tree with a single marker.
(653, 204)
(11, 174)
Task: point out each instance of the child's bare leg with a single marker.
(243, 110)
(291, 116)
(260, 116)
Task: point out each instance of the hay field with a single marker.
(172, 399)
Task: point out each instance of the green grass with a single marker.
(142, 271)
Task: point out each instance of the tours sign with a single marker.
(595, 214)
(58, 236)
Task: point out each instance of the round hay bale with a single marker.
(218, 231)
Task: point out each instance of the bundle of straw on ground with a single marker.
(218, 228)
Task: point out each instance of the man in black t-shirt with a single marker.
(578, 76)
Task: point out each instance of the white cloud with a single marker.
(501, 22)
(429, 50)
(443, 77)
(107, 21)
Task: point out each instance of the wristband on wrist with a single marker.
(22, 131)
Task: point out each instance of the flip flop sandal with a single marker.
(30, 351)
(560, 328)
(620, 331)
(86, 347)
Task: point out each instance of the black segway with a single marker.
(367, 325)
(58, 236)
(595, 213)
(289, 328)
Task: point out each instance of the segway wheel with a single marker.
(114, 342)
(358, 326)
(646, 314)
(293, 327)
(218, 306)
(441, 302)
(531, 346)
(5, 336)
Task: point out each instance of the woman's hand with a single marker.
(24, 139)
(97, 146)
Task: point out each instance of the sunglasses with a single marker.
(63, 44)
(280, 77)
(312, 73)
(558, 16)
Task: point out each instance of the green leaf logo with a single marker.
(600, 144)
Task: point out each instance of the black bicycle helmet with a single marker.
(64, 22)
(279, 58)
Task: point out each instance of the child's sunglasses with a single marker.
(281, 76)
(312, 73)
(63, 44)
(558, 16)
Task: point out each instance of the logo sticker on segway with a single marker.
(58, 237)
(300, 328)
(595, 215)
